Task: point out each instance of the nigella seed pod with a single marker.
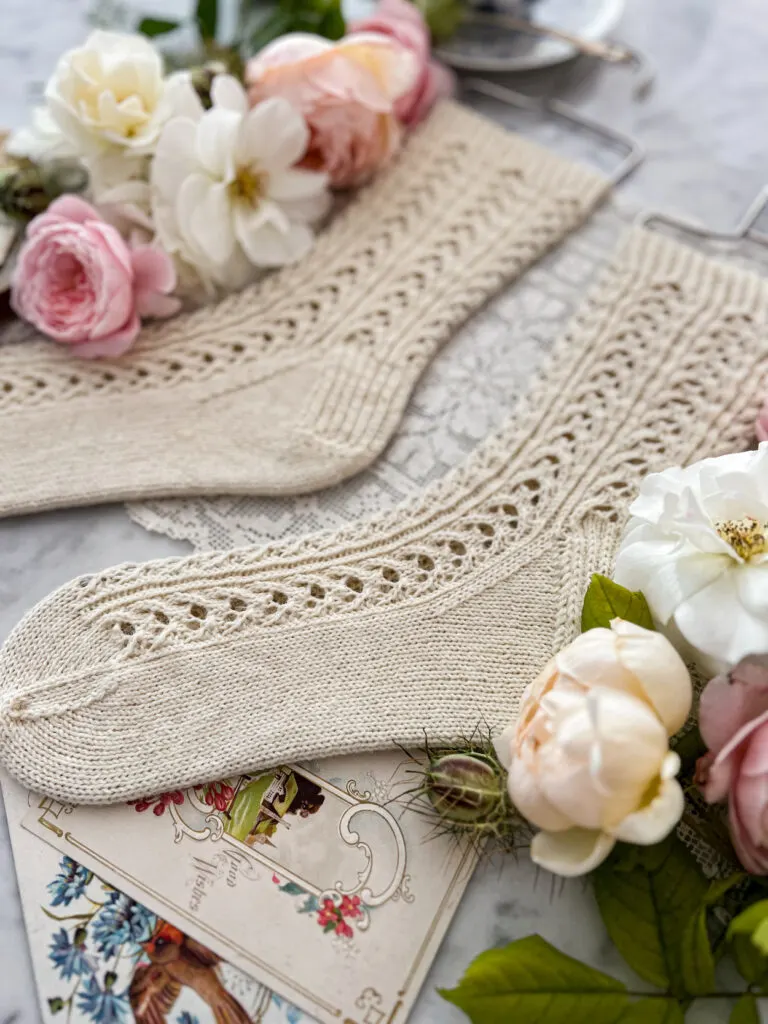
(466, 789)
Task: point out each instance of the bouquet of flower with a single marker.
(137, 189)
(609, 773)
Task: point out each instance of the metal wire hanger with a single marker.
(635, 151)
(744, 229)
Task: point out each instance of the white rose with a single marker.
(39, 140)
(589, 760)
(110, 92)
(697, 547)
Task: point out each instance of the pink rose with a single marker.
(347, 92)
(78, 282)
(404, 22)
(761, 424)
(733, 718)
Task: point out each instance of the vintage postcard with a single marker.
(100, 957)
(320, 881)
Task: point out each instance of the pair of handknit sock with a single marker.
(430, 619)
(298, 382)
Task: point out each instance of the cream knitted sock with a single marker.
(299, 382)
(432, 617)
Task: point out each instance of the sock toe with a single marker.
(52, 661)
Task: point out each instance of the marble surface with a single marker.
(704, 130)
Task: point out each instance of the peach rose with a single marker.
(589, 760)
(733, 718)
(78, 282)
(347, 92)
(404, 22)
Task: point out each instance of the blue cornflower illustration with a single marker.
(185, 1017)
(293, 1014)
(101, 1002)
(69, 954)
(122, 921)
(69, 883)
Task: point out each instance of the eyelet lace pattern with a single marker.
(457, 183)
(300, 380)
(665, 363)
(432, 617)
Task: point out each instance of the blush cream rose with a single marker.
(78, 282)
(589, 760)
(347, 93)
(403, 21)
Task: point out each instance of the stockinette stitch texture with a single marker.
(429, 619)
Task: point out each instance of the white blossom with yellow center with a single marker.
(697, 547)
(226, 195)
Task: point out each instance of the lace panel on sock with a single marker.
(458, 180)
(668, 349)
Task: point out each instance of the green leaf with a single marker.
(606, 600)
(443, 17)
(310, 905)
(291, 888)
(646, 896)
(329, 927)
(697, 962)
(156, 27)
(663, 1010)
(743, 930)
(529, 980)
(720, 886)
(745, 1011)
(264, 27)
(332, 25)
(207, 16)
(56, 1005)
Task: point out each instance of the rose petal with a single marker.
(654, 822)
(153, 270)
(73, 208)
(752, 857)
(728, 637)
(726, 706)
(288, 49)
(527, 796)
(590, 660)
(112, 346)
(573, 853)
(661, 672)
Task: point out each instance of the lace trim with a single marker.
(668, 349)
(458, 179)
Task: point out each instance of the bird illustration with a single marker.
(179, 962)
